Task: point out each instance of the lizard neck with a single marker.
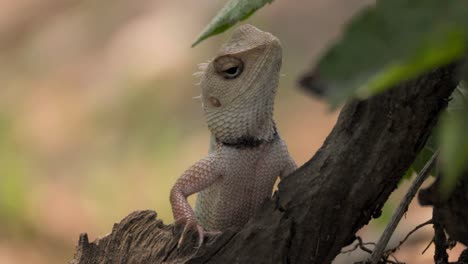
(249, 141)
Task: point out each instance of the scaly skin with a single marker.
(247, 154)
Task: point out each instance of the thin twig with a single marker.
(408, 235)
(361, 245)
(396, 260)
(427, 247)
(402, 208)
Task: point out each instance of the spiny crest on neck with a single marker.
(201, 69)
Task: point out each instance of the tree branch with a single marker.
(401, 210)
(440, 240)
(320, 207)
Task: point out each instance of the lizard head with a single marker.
(239, 87)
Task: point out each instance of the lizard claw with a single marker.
(191, 225)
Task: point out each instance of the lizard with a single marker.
(247, 154)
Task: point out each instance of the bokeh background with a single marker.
(97, 116)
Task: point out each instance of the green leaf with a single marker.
(459, 98)
(453, 140)
(393, 41)
(425, 155)
(233, 12)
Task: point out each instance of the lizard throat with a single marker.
(249, 141)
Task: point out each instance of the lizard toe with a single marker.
(190, 226)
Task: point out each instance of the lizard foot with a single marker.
(191, 225)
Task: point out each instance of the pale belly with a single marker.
(247, 181)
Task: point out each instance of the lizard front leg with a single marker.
(288, 165)
(199, 176)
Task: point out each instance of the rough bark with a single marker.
(451, 212)
(440, 240)
(319, 208)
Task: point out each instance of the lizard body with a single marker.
(247, 154)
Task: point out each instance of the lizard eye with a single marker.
(229, 67)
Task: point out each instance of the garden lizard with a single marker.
(247, 155)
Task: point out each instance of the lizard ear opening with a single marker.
(228, 67)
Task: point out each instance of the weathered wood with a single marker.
(319, 208)
(451, 211)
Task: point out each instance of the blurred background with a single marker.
(97, 116)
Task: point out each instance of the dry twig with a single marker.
(402, 208)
